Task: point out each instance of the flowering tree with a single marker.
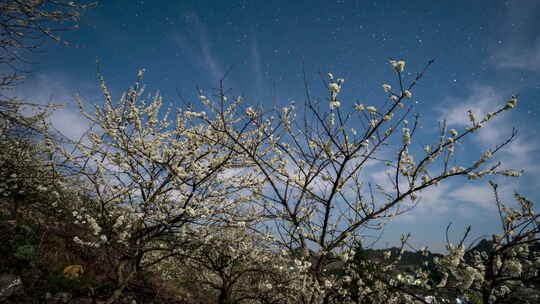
(233, 265)
(314, 190)
(153, 182)
(37, 195)
(504, 273)
(508, 273)
(24, 26)
(26, 161)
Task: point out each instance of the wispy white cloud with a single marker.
(199, 48)
(520, 57)
(432, 201)
(256, 63)
(56, 88)
(519, 154)
(480, 196)
(522, 154)
(521, 47)
(481, 100)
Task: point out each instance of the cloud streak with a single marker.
(56, 89)
(198, 49)
(479, 196)
(521, 57)
(481, 100)
(256, 66)
(521, 47)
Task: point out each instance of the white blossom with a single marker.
(407, 94)
(334, 87)
(334, 105)
(371, 109)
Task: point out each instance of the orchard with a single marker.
(236, 203)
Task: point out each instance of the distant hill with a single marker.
(410, 261)
(417, 259)
(487, 246)
(408, 257)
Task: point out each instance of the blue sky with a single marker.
(485, 52)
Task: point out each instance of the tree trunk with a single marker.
(122, 281)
